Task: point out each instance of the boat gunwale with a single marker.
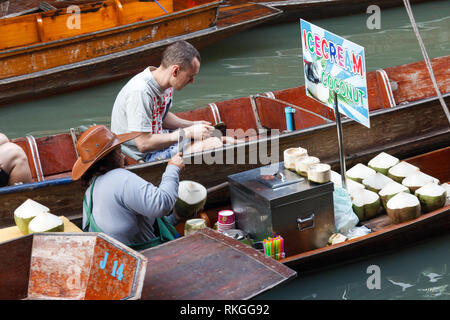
(110, 31)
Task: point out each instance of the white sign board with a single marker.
(334, 64)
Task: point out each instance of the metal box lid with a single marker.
(276, 185)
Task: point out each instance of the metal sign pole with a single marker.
(340, 141)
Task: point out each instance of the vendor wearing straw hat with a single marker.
(118, 202)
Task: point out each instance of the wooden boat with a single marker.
(406, 119)
(385, 236)
(293, 10)
(70, 266)
(58, 50)
(93, 266)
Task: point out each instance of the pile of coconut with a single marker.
(298, 160)
(32, 217)
(394, 186)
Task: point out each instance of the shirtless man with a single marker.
(14, 167)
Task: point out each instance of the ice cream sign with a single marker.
(332, 65)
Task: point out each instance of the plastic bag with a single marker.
(344, 217)
(357, 232)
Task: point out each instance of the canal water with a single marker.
(269, 58)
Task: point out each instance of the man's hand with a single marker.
(177, 160)
(199, 131)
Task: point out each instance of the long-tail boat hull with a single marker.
(51, 62)
(385, 236)
(415, 124)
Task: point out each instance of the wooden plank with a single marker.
(208, 265)
(14, 232)
(15, 259)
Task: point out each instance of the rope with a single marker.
(427, 59)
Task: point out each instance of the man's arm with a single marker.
(148, 142)
(172, 121)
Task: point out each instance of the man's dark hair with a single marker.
(181, 53)
(102, 166)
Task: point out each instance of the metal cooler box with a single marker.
(273, 200)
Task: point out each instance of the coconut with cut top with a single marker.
(291, 155)
(351, 185)
(46, 222)
(401, 170)
(26, 212)
(302, 164)
(390, 190)
(418, 179)
(403, 207)
(431, 196)
(359, 172)
(366, 204)
(319, 172)
(191, 199)
(383, 162)
(376, 182)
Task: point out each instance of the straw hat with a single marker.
(95, 143)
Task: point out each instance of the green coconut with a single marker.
(351, 185)
(431, 197)
(418, 179)
(383, 162)
(376, 182)
(26, 212)
(46, 222)
(303, 163)
(390, 190)
(359, 172)
(401, 170)
(403, 207)
(365, 204)
(191, 199)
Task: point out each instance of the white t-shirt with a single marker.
(140, 106)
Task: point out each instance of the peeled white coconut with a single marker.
(376, 182)
(390, 190)
(431, 197)
(401, 170)
(291, 155)
(191, 198)
(26, 212)
(365, 204)
(336, 238)
(359, 172)
(403, 207)
(46, 222)
(302, 164)
(418, 179)
(351, 185)
(383, 162)
(319, 172)
(446, 186)
(193, 225)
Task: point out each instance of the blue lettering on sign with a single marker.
(116, 272)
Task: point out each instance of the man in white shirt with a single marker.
(143, 106)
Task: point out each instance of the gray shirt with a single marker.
(125, 206)
(140, 106)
